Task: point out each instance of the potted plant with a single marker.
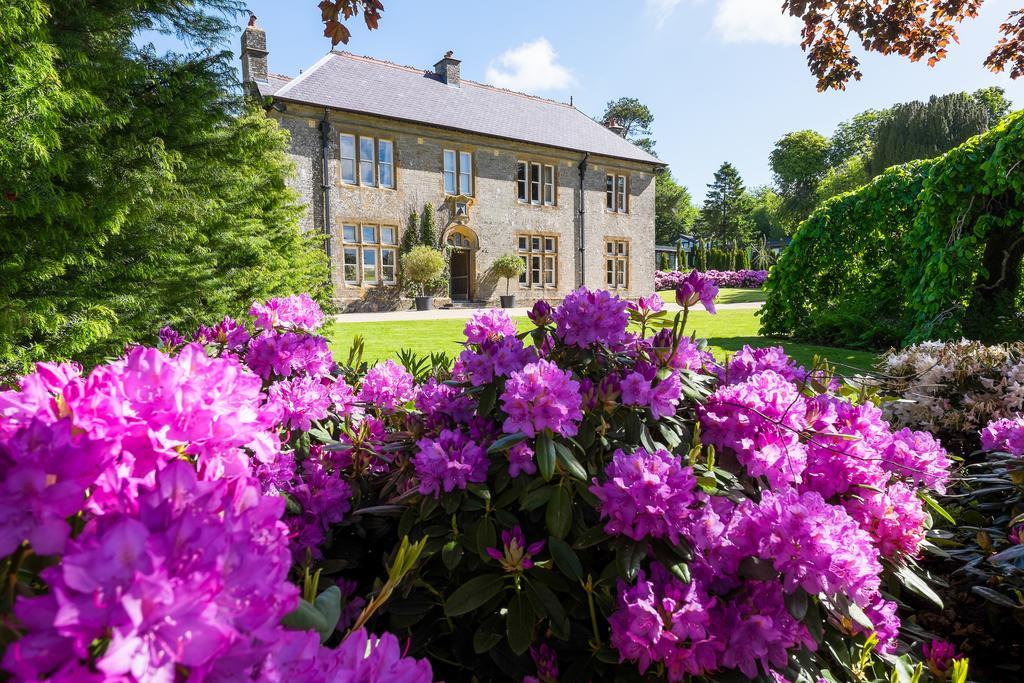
(508, 267)
(421, 266)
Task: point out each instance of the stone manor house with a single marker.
(506, 172)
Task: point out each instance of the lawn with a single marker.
(726, 295)
(727, 332)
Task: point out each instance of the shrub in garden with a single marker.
(745, 279)
(508, 266)
(422, 266)
(952, 388)
(601, 504)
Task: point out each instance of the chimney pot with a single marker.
(447, 69)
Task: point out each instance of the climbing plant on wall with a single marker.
(927, 250)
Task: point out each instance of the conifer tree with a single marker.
(428, 227)
(411, 236)
(726, 212)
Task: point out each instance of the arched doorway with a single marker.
(462, 246)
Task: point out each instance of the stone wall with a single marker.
(495, 219)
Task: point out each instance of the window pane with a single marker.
(387, 151)
(535, 243)
(387, 235)
(535, 268)
(387, 265)
(387, 175)
(523, 275)
(465, 173)
(367, 175)
(609, 192)
(521, 181)
(610, 269)
(620, 273)
(348, 159)
(386, 167)
(609, 247)
(523, 243)
(369, 234)
(535, 183)
(549, 244)
(549, 185)
(369, 266)
(351, 265)
(349, 233)
(449, 171)
(621, 206)
(549, 270)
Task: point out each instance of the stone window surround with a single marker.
(359, 246)
(377, 139)
(618, 257)
(459, 150)
(622, 189)
(528, 253)
(543, 182)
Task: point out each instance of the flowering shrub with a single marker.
(589, 502)
(953, 388)
(745, 279)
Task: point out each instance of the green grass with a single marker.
(727, 332)
(726, 295)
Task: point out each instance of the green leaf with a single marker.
(484, 640)
(486, 537)
(796, 603)
(995, 597)
(545, 455)
(934, 505)
(451, 554)
(519, 623)
(559, 512)
(321, 616)
(547, 603)
(569, 461)
(506, 442)
(487, 399)
(537, 497)
(565, 558)
(909, 578)
(628, 557)
(858, 615)
(473, 594)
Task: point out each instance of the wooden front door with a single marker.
(459, 285)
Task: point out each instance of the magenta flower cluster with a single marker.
(1006, 434)
(697, 288)
(743, 279)
(586, 318)
(451, 461)
(387, 386)
(298, 312)
(540, 397)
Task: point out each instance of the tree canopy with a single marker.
(674, 212)
(799, 161)
(917, 30)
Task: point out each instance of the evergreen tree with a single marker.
(726, 212)
(411, 236)
(136, 190)
(922, 130)
(428, 227)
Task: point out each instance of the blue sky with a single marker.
(724, 78)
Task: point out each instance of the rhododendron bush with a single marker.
(590, 498)
(745, 279)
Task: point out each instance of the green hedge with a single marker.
(904, 257)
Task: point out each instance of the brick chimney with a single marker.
(614, 126)
(254, 53)
(448, 69)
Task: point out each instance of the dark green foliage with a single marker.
(725, 215)
(921, 130)
(928, 250)
(635, 118)
(411, 235)
(136, 190)
(428, 227)
(674, 212)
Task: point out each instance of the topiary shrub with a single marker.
(422, 266)
(508, 266)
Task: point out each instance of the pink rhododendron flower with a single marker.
(541, 396)
(646, 495)
(490, 324)
(303, 399)
(939, 656)
(520, 460)
(227, 332)
(291, 312)
(919, 457)
(285, 353)
(894, 517)
(449, 462)
(697, 288)
(387, 386)
(749, 361)
(586, 318)
(646, 305)
(1006, 435)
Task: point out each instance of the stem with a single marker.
(589, 588)
(11, 586)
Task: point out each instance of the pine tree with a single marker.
(428, 227)
(726, 212)
(411, 236)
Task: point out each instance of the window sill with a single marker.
(357, 186)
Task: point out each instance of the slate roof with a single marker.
(348, 82)
(274, 83)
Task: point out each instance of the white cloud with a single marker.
(661, 10)
(756, 21)
(531, 67)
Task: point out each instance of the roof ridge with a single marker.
(404, 67)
